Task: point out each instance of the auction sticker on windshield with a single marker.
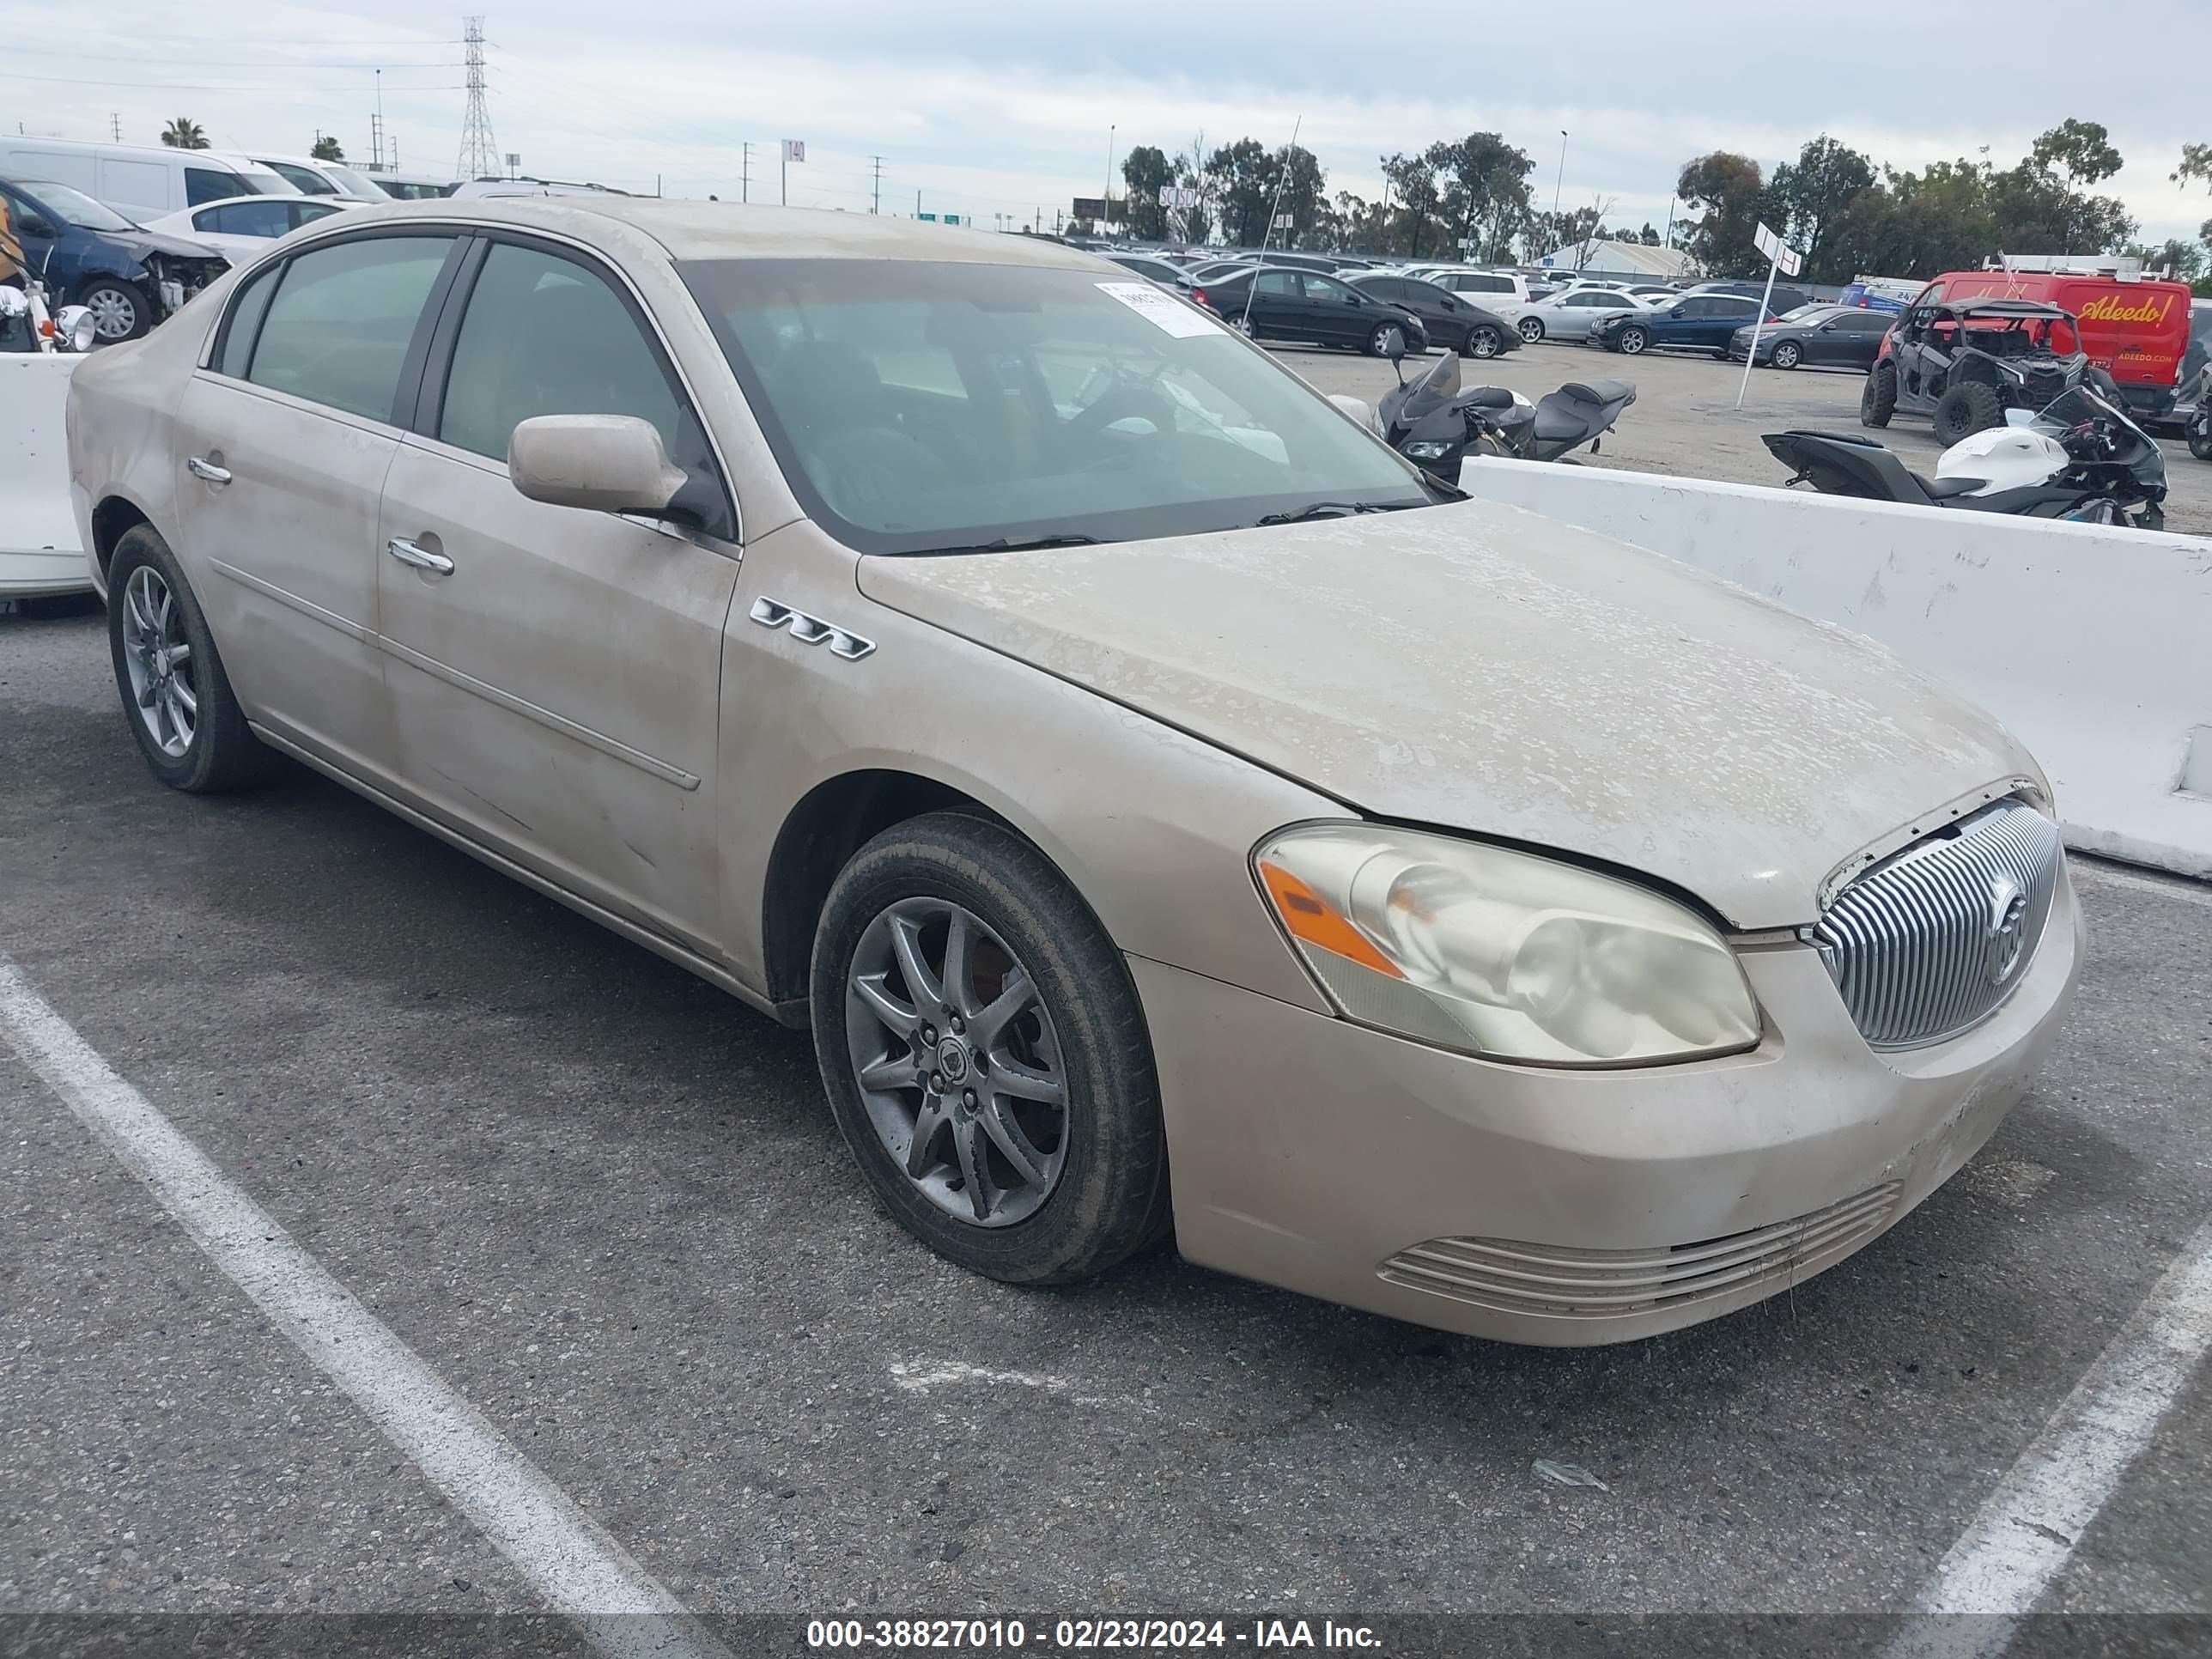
(1160, 308)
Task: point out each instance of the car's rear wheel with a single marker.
(1532, 329)
(1632, 340)
(985, 1055)
(1966, 409)
(1787, 354)
(175, 694)
(120, 309)
(2200, 441)
(1878, 401)
(1482, 342)
(1386, 340)
(1242, 323)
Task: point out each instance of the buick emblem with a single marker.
(2008, 929)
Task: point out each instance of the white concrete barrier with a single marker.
(39, 550)
(2094, 644)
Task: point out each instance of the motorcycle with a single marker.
(2080, 459)
(24, 311)
(2199, 428)
(1431, 422)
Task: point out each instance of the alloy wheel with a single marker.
(160, 660)
(957, 1061)
(1531, 330)
(1632, 340)
(1785, 355)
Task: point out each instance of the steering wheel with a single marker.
(1123, 403)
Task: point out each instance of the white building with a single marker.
(1631, 259)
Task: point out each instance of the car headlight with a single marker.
(1427, 449)
(1490, 952)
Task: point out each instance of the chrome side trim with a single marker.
(810, 630)
(561, 723)
(506, 700)
(268, 590)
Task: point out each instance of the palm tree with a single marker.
(184, 133)
(326, 150)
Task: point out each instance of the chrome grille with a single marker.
(1512, 1277)
(1931, 941)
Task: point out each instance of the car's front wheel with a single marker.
(175, 694)
(1632, 340)
(985, 1055)
(1532, 329)
(1482, 342)
(1386, 340)
(1787, 354)
(120, 309)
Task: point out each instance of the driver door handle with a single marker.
(421, 557)
(207, 470)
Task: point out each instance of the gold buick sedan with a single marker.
(1171, 812)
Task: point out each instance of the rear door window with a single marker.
(337, 332)
(140, 184)
(266, 215)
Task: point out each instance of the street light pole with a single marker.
(1561, 179)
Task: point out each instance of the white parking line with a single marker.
(581, 1571)
(2023, 1536)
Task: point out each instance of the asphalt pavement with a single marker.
(605, 1206)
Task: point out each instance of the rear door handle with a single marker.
(421, 557)
(208, 471)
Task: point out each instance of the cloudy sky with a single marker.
(988, 107)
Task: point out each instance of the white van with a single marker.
(411, 186)
(139, 182)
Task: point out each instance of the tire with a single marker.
(1106, 1196)
(1631, 341)
(1482, 342)
(1382, 337)
(180, 709)
(1242, 323)
(2200, 441)
(1531, 329)
(120, 309)
(1878, 402)
(1787, 354)
(1966, 409)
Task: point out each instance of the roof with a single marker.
(2002, 308)
(1613, 259)
(729, 230)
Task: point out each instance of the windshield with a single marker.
(74, 207)
(917, 406)
(1812, 314)
(2091, 428)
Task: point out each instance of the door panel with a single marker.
(283, 558)
(554, 672)
(555, 696)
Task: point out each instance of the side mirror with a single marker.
(1398, 346)
(74, 329)
(601, 463)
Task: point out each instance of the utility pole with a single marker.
(745, 177)
(878, 206)
(1106, 201)
(1556, 182)
(479, 151)
(115, 128)
(917, 204)
(376, 123)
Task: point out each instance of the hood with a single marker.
(1477, 667)
(143, 242)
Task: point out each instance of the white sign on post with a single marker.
(1283, 221)
(1467, 245)
(1780, 256)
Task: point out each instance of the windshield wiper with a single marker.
(1333, 510)
(1004, 544)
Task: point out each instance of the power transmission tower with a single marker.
(115, 127)
(479, 151)
(878, 206)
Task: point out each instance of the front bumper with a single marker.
(1346, 1164)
